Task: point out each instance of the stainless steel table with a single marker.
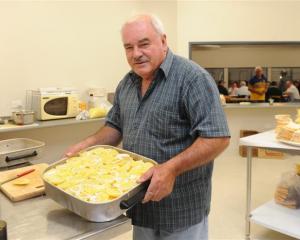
(270, 214)
(41, 218)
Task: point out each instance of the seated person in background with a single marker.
(291, 91)
(258, 85)
(243, 89)
(233, 89)
(297, 85)
(222, 89)
(274, 92)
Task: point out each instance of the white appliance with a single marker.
(55, 103)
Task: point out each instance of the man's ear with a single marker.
(164, 41)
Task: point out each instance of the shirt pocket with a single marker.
(165, 122)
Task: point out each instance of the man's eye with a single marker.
(128, 47)
(144, 45)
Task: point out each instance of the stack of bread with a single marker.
(281, 121)
(289, 132)
(286, 129)
(288, 190)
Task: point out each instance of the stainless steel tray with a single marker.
(98, 212)
(15, 149)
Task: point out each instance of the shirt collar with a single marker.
(167, 63)
(165, 66)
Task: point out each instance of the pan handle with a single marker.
(138, 197)
(8, 159)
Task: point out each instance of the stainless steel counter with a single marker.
(46, 124)
(261, 105)
(41, 218)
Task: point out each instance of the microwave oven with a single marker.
(55, 103)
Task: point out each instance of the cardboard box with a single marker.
(264, 153)
(243, 149)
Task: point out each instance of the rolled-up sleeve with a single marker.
(203, 107)
(113, 118)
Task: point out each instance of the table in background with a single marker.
(270, 214)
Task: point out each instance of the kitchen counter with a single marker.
(41, 218)
(71, 121)
(46, 124)
(261, 105)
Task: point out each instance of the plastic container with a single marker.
(98, 98)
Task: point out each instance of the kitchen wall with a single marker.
(247, 56)
(67, 43)
(77, 43)
(236, 21)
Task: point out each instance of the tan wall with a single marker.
(236, 21)
(247, 56)
(77, 43)
(67, 43)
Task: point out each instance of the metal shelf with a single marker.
(278, 218)
(269, 215)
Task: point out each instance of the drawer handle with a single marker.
(8, 159)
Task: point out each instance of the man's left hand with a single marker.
(162, 182)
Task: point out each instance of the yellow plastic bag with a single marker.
(97, 112)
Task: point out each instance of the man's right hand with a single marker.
(74, 149)
(105, 136)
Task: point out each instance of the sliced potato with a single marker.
(98, 175)
(21, 181)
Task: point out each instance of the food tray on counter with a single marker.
(97, 212)
(15, 149)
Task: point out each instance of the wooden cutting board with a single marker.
(20, 192)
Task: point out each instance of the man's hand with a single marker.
(105, 136)
(162, 182)
(73, 150)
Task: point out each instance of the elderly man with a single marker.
(291, 91)
(166, 108)
(243, 89)
(258, 85)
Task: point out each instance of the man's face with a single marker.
(258, 72)
(145, 48)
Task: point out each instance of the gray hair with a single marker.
(243, 83)
(155, 21)
(258, 68)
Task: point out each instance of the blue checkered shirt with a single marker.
(181, 104)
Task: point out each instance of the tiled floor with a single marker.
(226, 220)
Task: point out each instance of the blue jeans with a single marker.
(195, 232)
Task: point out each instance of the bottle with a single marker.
(3, 231)
(91, 102)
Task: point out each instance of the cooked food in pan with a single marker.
(98, 175)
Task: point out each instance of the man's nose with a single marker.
(137, 52)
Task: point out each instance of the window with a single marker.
(279, 72)
(216, 73)
(288, 73)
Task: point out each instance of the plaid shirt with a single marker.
(181, 104)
